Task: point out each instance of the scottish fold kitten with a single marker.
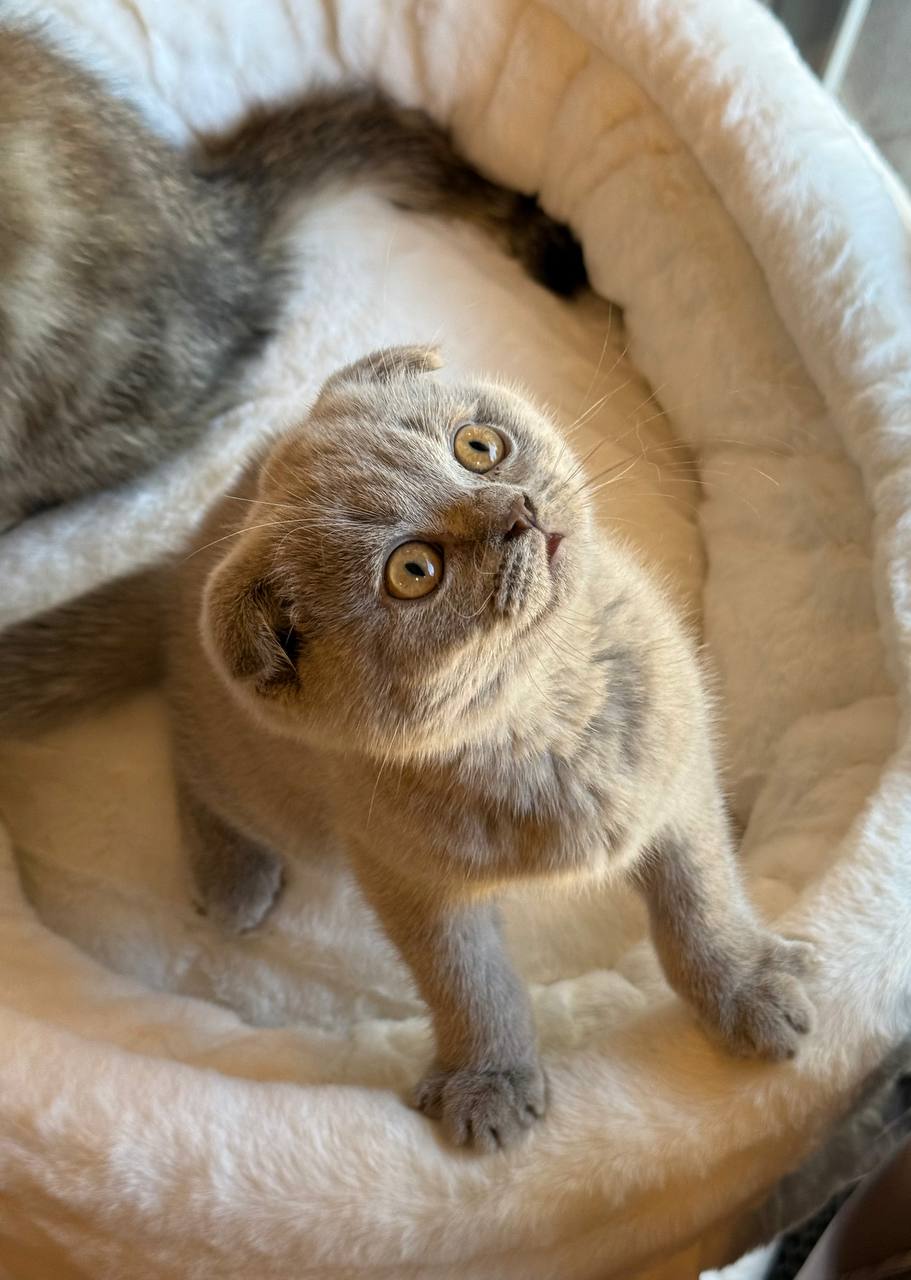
(410, 640)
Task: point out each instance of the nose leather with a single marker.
(518, 518)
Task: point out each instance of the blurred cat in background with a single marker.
(137, 281)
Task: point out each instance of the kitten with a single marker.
(409, 640)
(136, 281)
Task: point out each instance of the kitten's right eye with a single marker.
(413, 570)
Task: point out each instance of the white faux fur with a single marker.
(178, 1106)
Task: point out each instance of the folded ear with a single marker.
(383, 365)
(247, 626)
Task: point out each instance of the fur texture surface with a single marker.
(276, 1141)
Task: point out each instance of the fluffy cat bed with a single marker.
(175, 1105)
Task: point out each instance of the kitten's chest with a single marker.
(493, 817)
(549, 814)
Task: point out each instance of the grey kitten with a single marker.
(137, 281)
(409, 641)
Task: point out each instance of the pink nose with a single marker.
(518, 518)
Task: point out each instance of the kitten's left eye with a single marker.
(478, 448)
(413, 570)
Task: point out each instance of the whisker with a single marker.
(594, 378)
(588, 482)
(269, 524)
(469, 616)
(258, 502)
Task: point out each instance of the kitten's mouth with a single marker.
(551, 540)
(524, 584)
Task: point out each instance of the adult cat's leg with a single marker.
(486, 1085)
(238, 880)
(743, 980)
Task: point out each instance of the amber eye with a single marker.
(478, 448)
(413, 570)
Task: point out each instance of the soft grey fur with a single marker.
(539, 716)
(136, 281)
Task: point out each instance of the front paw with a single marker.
(484, 1109)
(761, 1009)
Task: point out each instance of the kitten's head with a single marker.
(410, 546)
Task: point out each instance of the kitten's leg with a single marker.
(486, 1085)
(743, 980)
(237, 879)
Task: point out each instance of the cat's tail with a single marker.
(337, 134)
(82, 655)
